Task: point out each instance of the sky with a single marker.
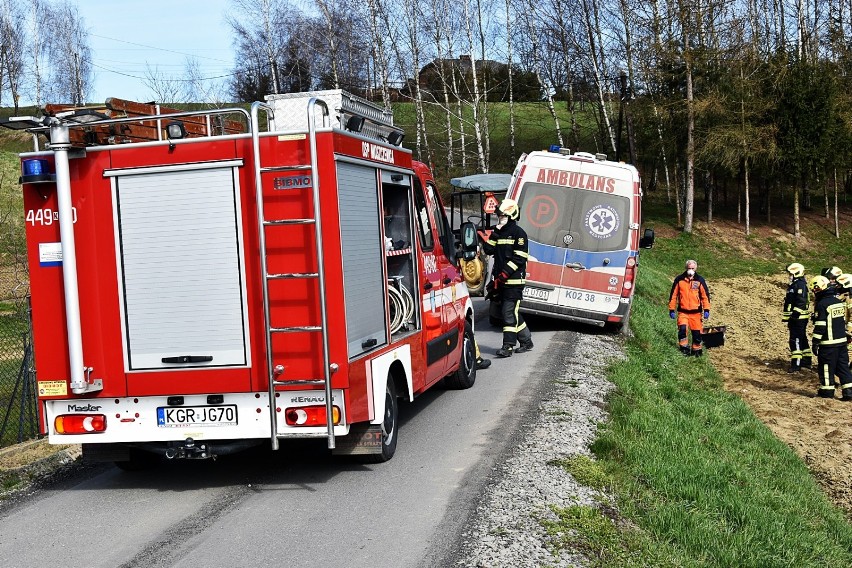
(126, 35)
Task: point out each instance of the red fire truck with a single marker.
(197, 290)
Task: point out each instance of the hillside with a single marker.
(754, 359)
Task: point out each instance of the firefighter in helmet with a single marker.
(797, 310)
(831, 274)
(844, 286)
(689, 300)
(508, 244)
(830, 339)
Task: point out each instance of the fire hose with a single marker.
(401, 304)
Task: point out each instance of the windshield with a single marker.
(574, 218)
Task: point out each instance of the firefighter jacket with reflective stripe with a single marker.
(829, 319)
(509, 247)
(797, 303)
(689, 295)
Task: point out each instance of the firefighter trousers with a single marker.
(695, 324)
(514, 327)
(799, 346)
(833, 360)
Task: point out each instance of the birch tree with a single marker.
(12, 50)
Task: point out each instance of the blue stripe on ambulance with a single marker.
(549, 254)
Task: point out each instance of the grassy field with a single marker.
(700, 480)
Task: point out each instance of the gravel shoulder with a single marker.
(505, 529)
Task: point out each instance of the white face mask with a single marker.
(502, 220)
(690, 272)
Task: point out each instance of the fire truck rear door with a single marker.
(181, 276)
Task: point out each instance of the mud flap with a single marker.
(362, 440)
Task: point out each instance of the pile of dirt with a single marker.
(754, 361)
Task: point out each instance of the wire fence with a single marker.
(18, 410)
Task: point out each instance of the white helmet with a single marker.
(509, 207)
(796, 269)
(845, 280)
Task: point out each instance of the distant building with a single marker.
(430, 75)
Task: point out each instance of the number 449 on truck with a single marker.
(582, 215)
(204, 281)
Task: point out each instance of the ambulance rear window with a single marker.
(572, 218)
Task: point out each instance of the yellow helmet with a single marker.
(509, 207)
(818, 284)
(796, 269)
(845, 280)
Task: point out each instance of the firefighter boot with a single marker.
(482, 363)
(524, 347)
(685, 350)
(794, 366)
(807, 362)
(697, 352)
(506, 351)
(825, 393)
(846, 395)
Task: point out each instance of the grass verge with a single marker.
(701, 481)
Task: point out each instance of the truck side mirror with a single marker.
(469, 241)
(647, 240)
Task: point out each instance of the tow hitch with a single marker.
(189, 450)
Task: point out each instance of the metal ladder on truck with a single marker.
(263, 223)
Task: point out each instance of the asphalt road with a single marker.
(298, 506)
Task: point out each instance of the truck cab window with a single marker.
(424, 225)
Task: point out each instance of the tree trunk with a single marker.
(596, 70)
(747, 202)
(796, 232)
(536, 58)
(512, 153)
(689, 201)
(836, 210)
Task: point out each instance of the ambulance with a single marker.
(582, 215)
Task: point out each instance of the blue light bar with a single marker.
(34, 167)
(554, 148)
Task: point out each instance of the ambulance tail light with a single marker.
(80, 423)
(629, 277)
(310, 415)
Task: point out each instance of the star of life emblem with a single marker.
(602, 222)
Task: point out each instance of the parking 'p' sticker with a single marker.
(602, 221)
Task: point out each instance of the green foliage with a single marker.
(807, 117)
(602, 541)
(585, 470)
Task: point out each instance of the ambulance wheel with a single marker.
(390, 427)
(465, 375)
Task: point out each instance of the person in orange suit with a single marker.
(689, 303)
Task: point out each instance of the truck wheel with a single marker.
(389, 427)
(465, 375)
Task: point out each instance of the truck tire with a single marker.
(465, 376)
(390, 426)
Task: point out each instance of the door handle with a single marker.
(575, 265)
(447, 280)
(427, 286)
